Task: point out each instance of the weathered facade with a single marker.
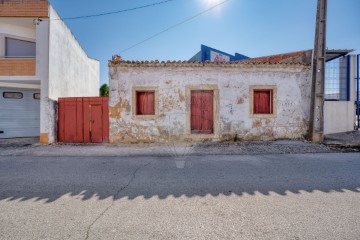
(233, 87)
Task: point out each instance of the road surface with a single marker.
(274, 196)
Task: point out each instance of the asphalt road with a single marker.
(287, 196)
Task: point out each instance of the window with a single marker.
(36, 95)
(145, 103)
(263, 101)
(19, 48)
(13, 95)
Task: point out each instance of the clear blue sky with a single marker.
(250, 27)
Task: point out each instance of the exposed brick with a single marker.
(17, 67)
(24, 8)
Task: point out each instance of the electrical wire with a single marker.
(114, 12)
(174, 26)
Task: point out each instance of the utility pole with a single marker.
(316, 127)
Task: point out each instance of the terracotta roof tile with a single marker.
(294, 58)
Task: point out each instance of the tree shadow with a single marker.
(50, 178)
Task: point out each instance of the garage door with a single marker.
(19, 113)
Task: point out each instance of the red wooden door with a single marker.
(207, 113)
(83, 120)
(96, 129)
(202, 112)
(195, 111)
(70, 119)
(70, 123)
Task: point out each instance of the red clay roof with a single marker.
(293, 58)
(296, 58)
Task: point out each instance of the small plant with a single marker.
(104, 90)
(236, 137)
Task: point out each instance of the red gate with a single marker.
(83, 120)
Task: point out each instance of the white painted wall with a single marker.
(293, 84)
(70, 72)
(339, 116)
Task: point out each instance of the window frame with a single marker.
(3, 40)
(273, 101)
(153, 89)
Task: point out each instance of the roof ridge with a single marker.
(117, 60)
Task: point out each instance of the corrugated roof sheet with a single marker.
(300, 57)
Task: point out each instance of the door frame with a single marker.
(216, 107)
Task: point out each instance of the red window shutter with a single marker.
(145, 103)
(150, 106)
(262, 102)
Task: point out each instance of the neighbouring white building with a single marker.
(40, 61)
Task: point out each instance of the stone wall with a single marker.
(231, 84)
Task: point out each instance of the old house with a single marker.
(40, 61)
(263, 98)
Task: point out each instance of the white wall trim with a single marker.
(20, 85)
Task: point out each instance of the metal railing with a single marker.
(337, 84)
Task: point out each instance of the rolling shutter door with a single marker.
(19, 117)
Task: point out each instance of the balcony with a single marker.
(17, 66)
(24, 8)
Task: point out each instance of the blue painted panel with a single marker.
(206, 54)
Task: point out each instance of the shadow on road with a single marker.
(50, 178)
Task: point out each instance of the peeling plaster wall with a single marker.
(293, 87)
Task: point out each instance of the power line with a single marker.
(174, 26)
(114, 12)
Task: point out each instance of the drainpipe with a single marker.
(357, 92)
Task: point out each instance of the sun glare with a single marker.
(211, 3)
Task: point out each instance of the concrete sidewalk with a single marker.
(31, 147)
(172, 149)
(347, 139)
